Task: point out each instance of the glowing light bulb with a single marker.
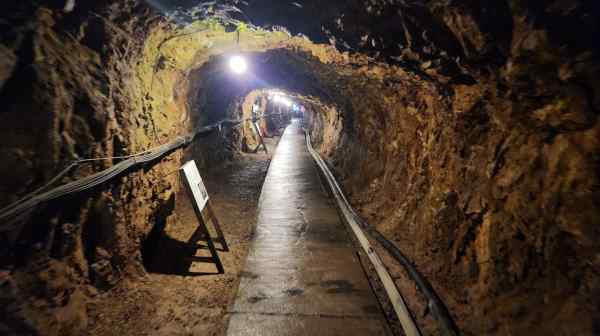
(286, 102)
(238, 64)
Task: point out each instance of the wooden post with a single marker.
(220, 236)
(211, 245)
(260, 136)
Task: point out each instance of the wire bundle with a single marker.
(10, 214)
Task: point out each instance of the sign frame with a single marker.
(195, 184)
(258, 132)
(199, 197)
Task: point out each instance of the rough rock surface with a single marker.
(491, 185)
(465, 131)
(70, 93)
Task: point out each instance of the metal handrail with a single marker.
(436, 305)
(400, 308)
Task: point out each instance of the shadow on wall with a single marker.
(158, 249)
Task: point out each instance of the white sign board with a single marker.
(194, 181)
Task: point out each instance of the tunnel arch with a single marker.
(465, 132)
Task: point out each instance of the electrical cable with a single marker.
(64, 172)
(14, 211)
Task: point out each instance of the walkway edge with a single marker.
(406, 320)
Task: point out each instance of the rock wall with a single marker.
(72, 90)
(490, 184)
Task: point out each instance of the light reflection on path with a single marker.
(302, 275)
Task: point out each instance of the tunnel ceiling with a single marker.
(298, 72)
(465, 34)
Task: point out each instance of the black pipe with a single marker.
(435, 304)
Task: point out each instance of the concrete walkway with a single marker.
(302, 276)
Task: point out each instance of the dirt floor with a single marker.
(167, 301)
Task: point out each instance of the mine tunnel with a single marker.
(381, 167)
